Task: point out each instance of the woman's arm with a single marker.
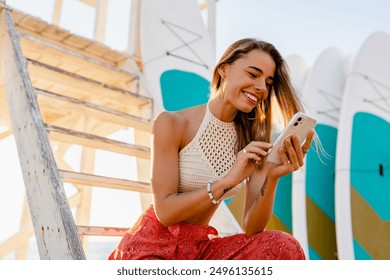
(261, 185)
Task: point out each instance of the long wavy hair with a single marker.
(271, 114)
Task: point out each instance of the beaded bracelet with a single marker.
(210, 193)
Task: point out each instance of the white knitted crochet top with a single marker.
(209, 155)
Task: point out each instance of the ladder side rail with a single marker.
(55, 230)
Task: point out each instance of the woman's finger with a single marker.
(298, 149)
(292, 155)
(283, 156)
(248, 153)
(257, 147)
(307, 144)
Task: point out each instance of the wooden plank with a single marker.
(143, 168)
(101, 231)
(58, 103)
(55, 33)
(77, 41)
(57, 11)
(22, 251)
(89, 2)
(100, 20)
(102, 181)
(65, 38)
(79, 86)
(114, 56)
(5, 134)
(58, 56)
(33, 24)
(4, 116)
(93, 141)
(18, 17)
(54, 227)
(83, 211)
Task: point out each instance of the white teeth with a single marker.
(251, 96)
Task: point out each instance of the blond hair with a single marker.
(282, 102)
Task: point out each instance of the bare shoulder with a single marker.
(178, 125)
(179, 120)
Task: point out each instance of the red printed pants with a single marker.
(149, 239)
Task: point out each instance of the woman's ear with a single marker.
(222, 70)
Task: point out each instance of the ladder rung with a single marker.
(38, 49)
(41, 29)
(87, 80)
(69, 136)
(102, 181)
(101, 231)
(90, 109)
(69, 84)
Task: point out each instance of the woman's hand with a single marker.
(292, 156)
(247, 161)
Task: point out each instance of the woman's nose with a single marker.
(260, 85)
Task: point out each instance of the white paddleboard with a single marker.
(299, 70)
(363, 159)
(313, 184)
(176, 53)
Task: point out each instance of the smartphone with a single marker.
(300, 124)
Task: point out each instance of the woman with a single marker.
(204, 154)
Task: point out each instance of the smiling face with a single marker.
(248, 80)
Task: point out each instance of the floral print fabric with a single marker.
(149, 239)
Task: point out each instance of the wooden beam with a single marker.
(134, 35)
(54, 226)
(100, 20)
(143, 168)
(93, 141)
(101, 231)
(89, 2)
(83, 211)
(102, 181)
(62, 37)
(5, 134)
(45, 52)
(50, 78)
(22, 251)
(60, 103)
(56, 18)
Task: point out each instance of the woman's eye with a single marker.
(252, 75)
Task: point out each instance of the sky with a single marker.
(303, 27)
(296, 27)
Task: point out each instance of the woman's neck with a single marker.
(222, 109)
